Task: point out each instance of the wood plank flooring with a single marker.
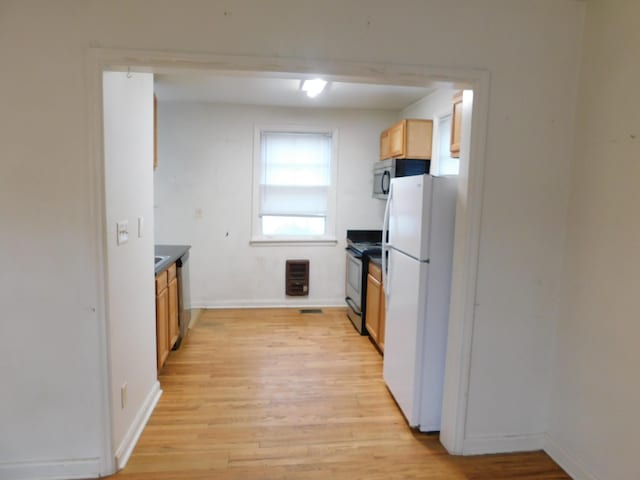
(275, 394)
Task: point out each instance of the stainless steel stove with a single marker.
(361, 246)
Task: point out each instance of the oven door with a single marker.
(354, 289)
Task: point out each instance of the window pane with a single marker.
(294, 183)
(292, 226)
(296, 159)
(293, 201)
(447, 165)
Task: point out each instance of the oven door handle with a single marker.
(353, 306)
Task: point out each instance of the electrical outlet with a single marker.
(123, 395)
(140, 226)
(123, 232)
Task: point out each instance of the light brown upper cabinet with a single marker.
(456, 125)
(409, 138)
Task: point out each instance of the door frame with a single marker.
(469, 209)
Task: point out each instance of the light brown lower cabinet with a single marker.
(174, 330)
(375, 311)
(162, 319)
(167, 329)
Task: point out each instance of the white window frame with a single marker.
(329, 237)
(439, 147)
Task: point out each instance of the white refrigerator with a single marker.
(417, 259)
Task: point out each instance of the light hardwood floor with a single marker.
(275, 394)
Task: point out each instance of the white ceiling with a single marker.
(285, 92)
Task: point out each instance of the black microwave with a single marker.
(385, 170)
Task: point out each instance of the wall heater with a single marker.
(297, 277)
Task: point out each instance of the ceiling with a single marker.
(284, 92)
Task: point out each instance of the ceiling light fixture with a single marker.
(314, 87)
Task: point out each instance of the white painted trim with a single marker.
(99, 243)
(479, 445)
(467, 242)
(157, 61)
(52, 469)
(135, 430)
(575, 468)
(217, 304)
(463, 293)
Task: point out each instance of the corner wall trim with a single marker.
(59, 469)
(483, 444)
(135, 430)
(576, 469)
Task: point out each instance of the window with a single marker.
(447, 165)
(294, 185)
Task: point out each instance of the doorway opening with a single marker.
(469, 201)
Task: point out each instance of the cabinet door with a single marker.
(372, 318)
(384, 145)
(456, 125)
(397, 140)
(419, 137)
(162, 326)
(174, 330)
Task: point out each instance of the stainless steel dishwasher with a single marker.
(184, 297)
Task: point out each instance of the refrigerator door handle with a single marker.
(385, 246)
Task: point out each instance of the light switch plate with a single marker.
(123, 232)
(123, 395)
(140, 226)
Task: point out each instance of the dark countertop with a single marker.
(376, 259)
(172, 252)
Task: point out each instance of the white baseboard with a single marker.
(576, 469)
(135, 430)
(52, 469)
(483, 444)
(294, 303)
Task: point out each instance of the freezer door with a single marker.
(409, 208)
(404, 332)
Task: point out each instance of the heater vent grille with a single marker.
(297, 277)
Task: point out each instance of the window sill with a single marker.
(310, 242)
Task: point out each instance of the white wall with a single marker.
(205, 160)
(496, 361)
(128, 140)
(49, 280)
(596, 393)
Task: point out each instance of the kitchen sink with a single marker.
(160, 258)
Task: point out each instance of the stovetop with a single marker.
(364, 241)
(364, 245)
(368, 248)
